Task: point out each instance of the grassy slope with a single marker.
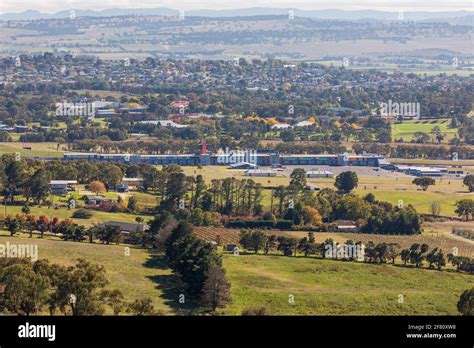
(326, 287)
(38, 149)
(406, 129)
(320, 286)
(127, 273)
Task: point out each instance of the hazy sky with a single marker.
(384, 5)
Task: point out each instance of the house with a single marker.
(281, 126)
(132, 182)
(230, 247)
(122, 187)
(346, 226)
(304, 124)
(62, 187)
(97, 200)
(165, 123)
(126, 227)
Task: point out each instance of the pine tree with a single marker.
(216, 290)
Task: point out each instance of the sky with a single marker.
(52, 6)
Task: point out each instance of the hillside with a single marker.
(320, 287)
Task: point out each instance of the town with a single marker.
(166, 164)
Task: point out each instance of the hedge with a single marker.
(279, 224)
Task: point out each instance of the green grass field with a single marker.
(64, 213)
(319, 287)
(327, 287)
(407, 129)
(37, 149)
(137, 275)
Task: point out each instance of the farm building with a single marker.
(260, 172)
(346, 226)
(97, 200)
(316, 173)
(243, 165)
(132, 182)
(62, 187)
(421, 171)
(126, 227)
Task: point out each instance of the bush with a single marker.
(82, 214)
(256, 224)
(250, 224)
(284, 224)
(268, 216)
(254, 311)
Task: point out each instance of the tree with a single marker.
(216, 289)
(405, 256)
(465, 208)
(297, 180)
(421, 137)
(346, 181)
(26, 209)
(97, 187)
(132, 203)
(77, 289)
(280, 193)
(253, 240)
(293, 215)
(435, 208)
(24, 291)
(423, 182)
(435, 257)
(141, 307)
(39, 185)
(115, 299)
(192, 259)
(111, 175)
(270, 244)
(393, 251)
(311, 216)
(416, 254)
(466, 303)
(287, 245)
(469, 182)
(108, 234)
(307, 245)
(13, 224)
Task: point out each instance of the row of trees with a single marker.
(66, 229)
(370, 252)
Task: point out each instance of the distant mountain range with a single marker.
(460, 17)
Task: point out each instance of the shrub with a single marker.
(284, 224)
(264, 224)
(254, 311)
(82, 214)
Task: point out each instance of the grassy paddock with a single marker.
(138, 275)
(328, 287)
